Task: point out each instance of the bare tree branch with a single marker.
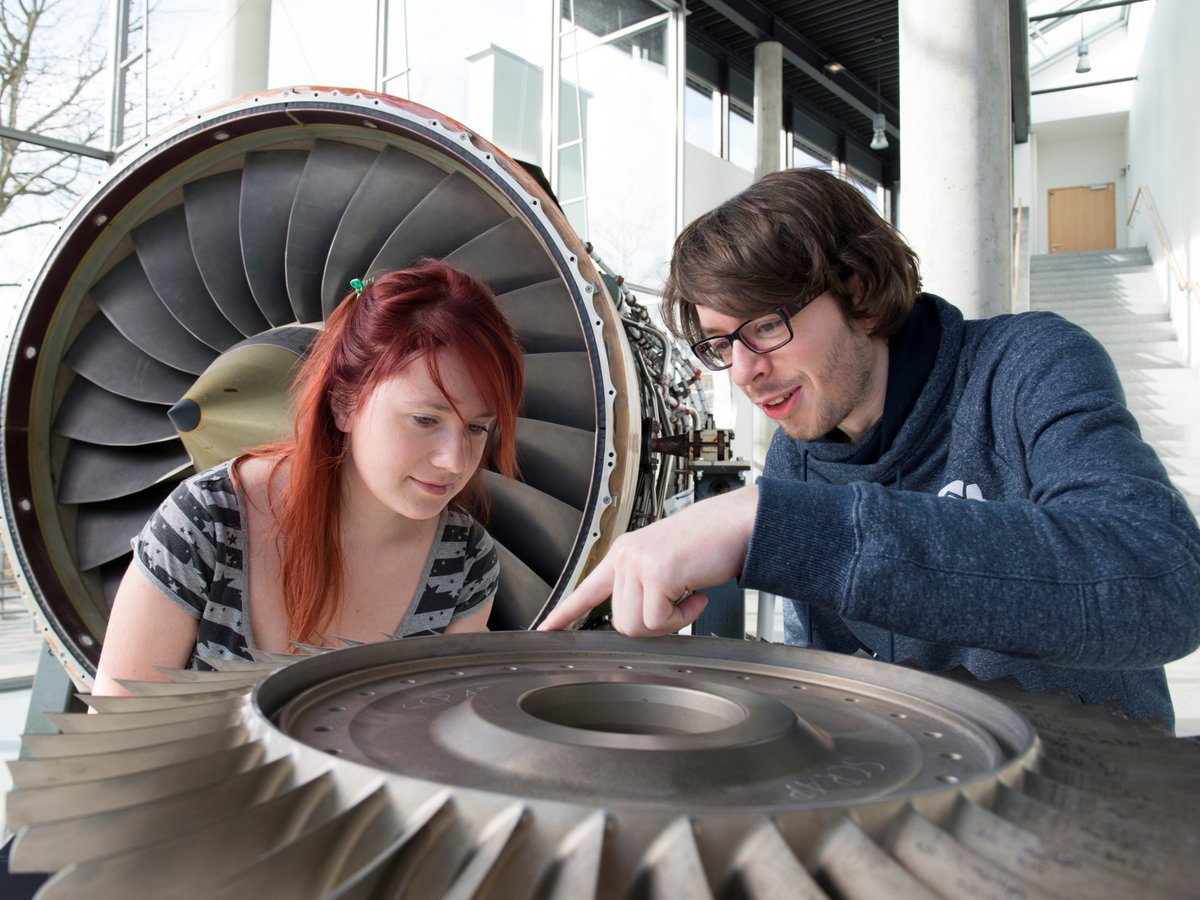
(44, 89)
(25, 226)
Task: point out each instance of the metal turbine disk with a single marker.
(586, 764)
(673, 724)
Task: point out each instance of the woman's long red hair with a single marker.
(398, 318)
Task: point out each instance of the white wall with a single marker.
(1093, 159)
(708, 181)
(1164, 132)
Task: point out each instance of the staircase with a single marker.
(1115, 295)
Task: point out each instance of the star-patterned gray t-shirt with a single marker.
(192, 550)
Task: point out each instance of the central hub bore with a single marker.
(635, 709)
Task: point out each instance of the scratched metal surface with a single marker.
(592, 765)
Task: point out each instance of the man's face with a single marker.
(832, 374)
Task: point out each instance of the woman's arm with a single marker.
(145, 630)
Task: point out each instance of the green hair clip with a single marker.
(358, 286)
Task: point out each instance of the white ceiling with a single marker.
(1085, 127)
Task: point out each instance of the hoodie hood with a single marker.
(832, 462)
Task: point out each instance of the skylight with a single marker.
(1052, 39)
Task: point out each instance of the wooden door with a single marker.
(1083, 218)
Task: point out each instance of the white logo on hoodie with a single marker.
(960, 491)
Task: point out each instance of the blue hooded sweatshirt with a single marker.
(1017, 525)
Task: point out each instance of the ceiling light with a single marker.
(833, 67)
(1083, 64)
(879, 139)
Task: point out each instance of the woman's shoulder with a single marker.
(458, 525)
(224, 490)
(218, 478)
(257, 478)
(205, 497)
(209, 487)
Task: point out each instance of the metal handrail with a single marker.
(1185, 285)
(1016, 272)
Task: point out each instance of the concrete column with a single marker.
(956, 161)
(768, 123)
(768, 106)
(245, 46)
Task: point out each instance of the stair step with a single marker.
(1165, 418)
(1095, 301)
(1153, 310)
(1181, 414)
(1134, 283)
(1159, 378)
(1103, 315)
(1168, 356)
(1178, 470)
(1146, 332)
(1178, 439)
(1164, 354)
(1042, 267)
(1176, 414)
(1187, 483)
(1137, 256)
(1121, 324)
(1173, 446)
(1126, 281)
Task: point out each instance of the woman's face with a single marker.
(409, 453)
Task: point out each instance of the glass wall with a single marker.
(166, 64)
(60, 93)
(804, 156)
(700, 117)
(867, 188)
(309, 45)
(589, 90)
(585, 89)
(615, 146)
(743, 142)
(483, 64)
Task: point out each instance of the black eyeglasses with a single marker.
(761, 335)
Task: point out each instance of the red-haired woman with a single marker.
(349, 529)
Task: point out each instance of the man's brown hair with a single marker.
(787, 238)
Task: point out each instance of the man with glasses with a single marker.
(940, 491)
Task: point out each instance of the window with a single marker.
(166, 67)
(615, 148)
(804, 157)
(742, 143)
(866, 187)
(700, 117)
(487, 71)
